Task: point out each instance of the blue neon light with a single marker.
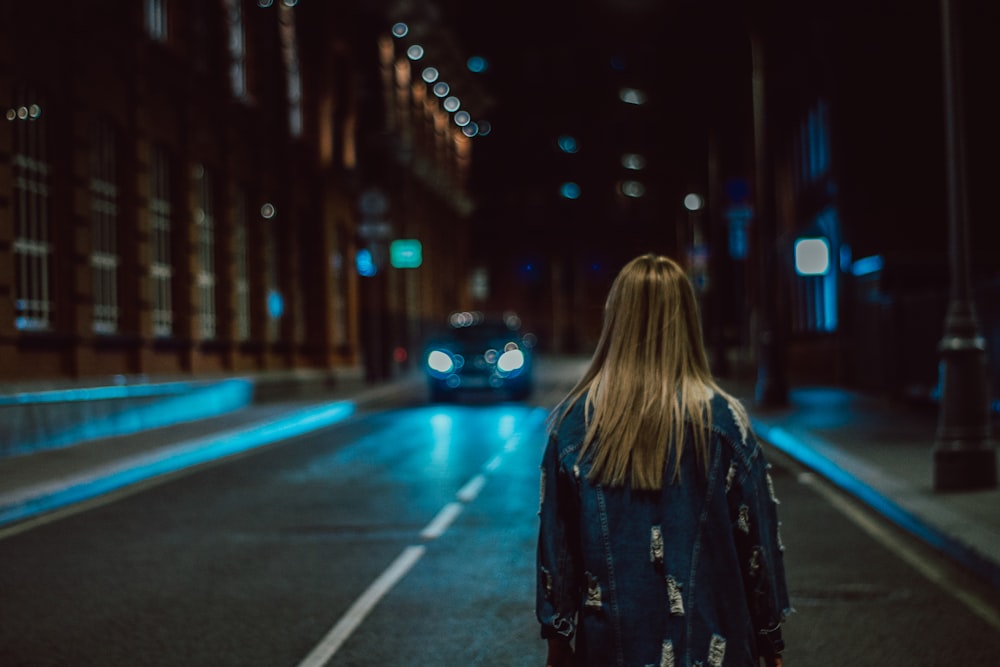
(365, 263)
(275, 304)
(867, 265)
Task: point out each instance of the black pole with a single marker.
(772, 385)
(963, 456)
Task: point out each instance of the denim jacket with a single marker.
(692, 575)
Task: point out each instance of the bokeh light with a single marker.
(633, 161)
(633, 189)
(632, 96)
(568, 144)
(569, 190)
(693, 202)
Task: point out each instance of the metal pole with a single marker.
(963, 456)
(772, 386)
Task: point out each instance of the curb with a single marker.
(806, 455)
(45, 498)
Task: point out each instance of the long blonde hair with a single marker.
(649, 376)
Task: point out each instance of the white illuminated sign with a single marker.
(812, 257)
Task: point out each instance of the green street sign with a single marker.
(405, 254)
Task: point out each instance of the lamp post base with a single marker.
(964, 469)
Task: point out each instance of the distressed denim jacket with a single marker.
(692, 575)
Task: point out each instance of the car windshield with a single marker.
(485, 331)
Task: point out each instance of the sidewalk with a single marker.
(879, 452)
(51, 479)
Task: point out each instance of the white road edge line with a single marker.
(334, 639)
(440, 523)
(928, 569)
(493, 463)
(471, 489)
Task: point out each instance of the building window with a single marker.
(32, 241)
(242, 284)
(205, 221)
(156, 19)
(290, 55)
(237, 49)
(160, 269)
(104, 257)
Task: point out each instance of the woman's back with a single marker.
(660, 574)
(658, 541)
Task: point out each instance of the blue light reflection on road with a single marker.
(176, 457)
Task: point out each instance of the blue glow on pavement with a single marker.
(441, 427)
(810, 458)
(96, 393)
(177, 457)
(183, 402)
(505, 427)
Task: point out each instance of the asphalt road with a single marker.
(405, 536)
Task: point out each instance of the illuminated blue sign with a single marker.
(365, 263)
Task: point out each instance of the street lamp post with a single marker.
(772, 385)
(963, 456)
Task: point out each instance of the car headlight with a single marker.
(510, 361)
(440, 362)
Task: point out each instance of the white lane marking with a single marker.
(471, 489)
(335, 638)
(440, 523)
(928, 569)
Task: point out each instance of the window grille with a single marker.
(161, 270)
(237, 49)
(32, 241)
(242, 285)
(104, 256)
(205, 219)
(156, 19)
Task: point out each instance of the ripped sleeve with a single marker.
(558, 576)
(754, 508)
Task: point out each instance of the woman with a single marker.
(659, 539)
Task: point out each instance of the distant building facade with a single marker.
(180, 184)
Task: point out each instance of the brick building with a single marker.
(179, 188)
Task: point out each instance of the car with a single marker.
(481, 354)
